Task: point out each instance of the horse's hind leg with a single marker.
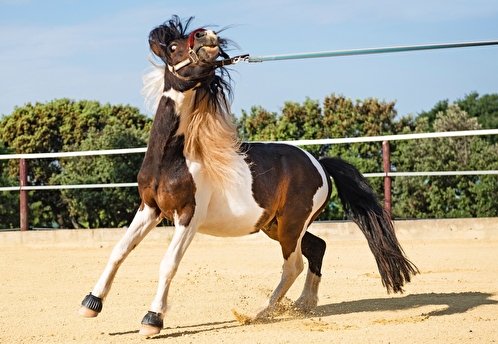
(290, 241)
(313, 249)
(142, 223)
(291, 269)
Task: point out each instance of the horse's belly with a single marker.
(229, 227)
(230, 216)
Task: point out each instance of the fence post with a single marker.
(386, 158)
(24, 205)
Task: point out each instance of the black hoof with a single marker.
(153, 319)
(92, 302)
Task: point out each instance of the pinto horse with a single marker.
(200, 176)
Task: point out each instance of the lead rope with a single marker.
(336, 53)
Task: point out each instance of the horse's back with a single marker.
(276, 165)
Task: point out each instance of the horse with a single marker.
(198, 174)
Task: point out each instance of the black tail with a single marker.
(363, 207)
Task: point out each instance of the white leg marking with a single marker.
(309, 297)
(292, 267)
(169, 265)
(181, 239)
(142, 223)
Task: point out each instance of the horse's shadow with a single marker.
(455, 303)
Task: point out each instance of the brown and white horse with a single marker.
(197, 174)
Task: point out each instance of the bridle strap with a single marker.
(193, 58)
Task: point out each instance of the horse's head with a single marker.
(190, 58)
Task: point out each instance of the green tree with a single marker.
(296, 122)
(57, 126)
(484, 108)
(303, 122)
(258, 125)
(445, 196)
(370, 117)
(103, 207)
(9, 200)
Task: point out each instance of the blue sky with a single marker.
(98, 50)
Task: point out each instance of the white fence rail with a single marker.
(295, 142)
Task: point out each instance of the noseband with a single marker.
(192, 58)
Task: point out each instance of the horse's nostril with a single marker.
(196, 34)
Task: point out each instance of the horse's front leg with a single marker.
(152, 322)
(142, 223)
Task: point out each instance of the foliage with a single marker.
(67, 125)
(58, 126)
(484, 108)
(103, 207)
(9, 200)
(303, 122)
(258, 125)
(446, 196)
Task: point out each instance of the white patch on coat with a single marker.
(227, 213)
(175, 95)
(321, 195)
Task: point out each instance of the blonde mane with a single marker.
(153, 82)
(209, 130)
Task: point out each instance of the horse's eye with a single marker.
(172, 47)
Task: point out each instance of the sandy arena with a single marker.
(453, 300)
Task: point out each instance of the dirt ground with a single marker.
(454, 300)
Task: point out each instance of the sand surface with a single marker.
(454, 300)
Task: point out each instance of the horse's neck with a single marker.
(165, 134)
(187, 127)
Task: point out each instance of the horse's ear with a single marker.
(156, 49)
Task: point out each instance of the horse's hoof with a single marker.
(152, 324)
(149, 330)
(91, 306)
(87, 312)
(306, 304)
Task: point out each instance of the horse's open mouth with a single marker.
(209, 53)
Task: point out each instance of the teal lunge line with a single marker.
(367, 51)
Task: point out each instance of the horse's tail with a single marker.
(362, 205)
